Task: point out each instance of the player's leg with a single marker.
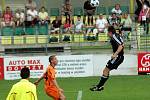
(53, 92)
(92, 19)
(147, 25)
(103, 79)
(112, 64)
(3, 24)
(62, 96)
(84, 17)
(89, 19)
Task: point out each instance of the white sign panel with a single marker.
(75, 66)
(68, 66)
(13, 65)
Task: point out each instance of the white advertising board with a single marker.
(68, 66)
(75, 66)
(13, 65)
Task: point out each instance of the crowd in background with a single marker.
(88, 23)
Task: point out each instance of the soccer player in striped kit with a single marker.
(116, 58)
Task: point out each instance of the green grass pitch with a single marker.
(116, 88)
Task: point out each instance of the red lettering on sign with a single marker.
(33, 61)
(18, 62)
(144, 62)
(18, 68)
(1, 68)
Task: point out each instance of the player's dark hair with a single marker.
(78, 15)
(68, 19)
(51, 58)
(111, 29)
(43, 8)
(25, 73)
(7, 7)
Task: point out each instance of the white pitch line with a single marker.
(79, 97)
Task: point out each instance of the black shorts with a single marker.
(114, 63)
(89, 12)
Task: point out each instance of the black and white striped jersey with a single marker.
(115, 41)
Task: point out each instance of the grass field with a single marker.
(116, 88)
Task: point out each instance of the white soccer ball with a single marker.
(94, 3)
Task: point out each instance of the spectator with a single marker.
(79, 25)
(23, 90)
(43, 17)
(7, 18)
(117, 10)
(114, 20)
(67, 10)
(126, 21)
(144, 17)
(67, 25)
(30, 4)
(19, 17)
(88, 11)
(140, 4)
(56, 25)
(126, 24)
(32, 16)
(101, 24)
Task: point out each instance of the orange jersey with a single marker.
(49, 77)
(50, 87)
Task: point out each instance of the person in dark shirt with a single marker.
(116, 58)
(67, 10)
(114, 20)
(140, 4)
(56, 24)
(88, 11)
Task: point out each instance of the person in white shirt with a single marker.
(126, 24)
(43, 16)
(78, 25)
(117, 10)
(19, 17)
(32, 16)
(101, 24)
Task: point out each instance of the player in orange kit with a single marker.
(52, 89)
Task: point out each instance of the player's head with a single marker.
(79, 17)
(113, 15)
(43, 9)
(145, 6)
(30, 0)
(53, 60)
(8, 9)
(67, 2)
(117, 6)
(100, 16)
(25, 73)
(111, 30)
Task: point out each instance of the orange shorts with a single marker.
(53, 92)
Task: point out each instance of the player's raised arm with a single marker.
(120, 48)
(37, 81)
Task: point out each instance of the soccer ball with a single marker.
(94, 3)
